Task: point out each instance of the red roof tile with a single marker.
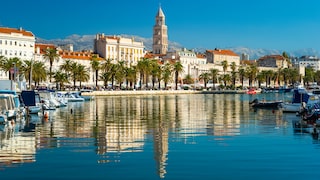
(223, 52)
(6, 30)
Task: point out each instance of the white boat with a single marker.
(7, 106)
(69, 97)
(49, 99)
(299, 96)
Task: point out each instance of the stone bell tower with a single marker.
(160, 35)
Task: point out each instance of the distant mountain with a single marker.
(85, 42)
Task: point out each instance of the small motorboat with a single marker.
(265, 104)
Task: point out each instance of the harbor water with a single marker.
(185, 136)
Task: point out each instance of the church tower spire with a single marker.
(160, 35)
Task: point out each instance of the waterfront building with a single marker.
(217, 56)
(160, 35)
(309, 61)
(81, 57)
(16, 43)
(275, 61)
(119, 48)
(190, 61)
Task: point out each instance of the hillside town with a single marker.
(123, 63)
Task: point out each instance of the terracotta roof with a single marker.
(152, 56)
(77, 55)
(277, 57)
(222, 52)
(6, 30)
(247, 62)
(201, 56)
(43, 47)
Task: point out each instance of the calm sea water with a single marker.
(212, 136)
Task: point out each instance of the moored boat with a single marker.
(265, 104)
(299, 96)
(69, 97)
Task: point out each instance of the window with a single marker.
(0, 41)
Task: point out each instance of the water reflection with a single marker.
(118, 125)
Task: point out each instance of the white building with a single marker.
(118, 48)
(309, 61)
(16, 43)
(190, 61)
(81, 57)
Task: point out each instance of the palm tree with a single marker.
(52, 55)
(226, 78)
(154, 71)
(177, 68)
(260, 78)
(251, 72)
(214, 75)
(61, 78)
(39, 72)
(309, 77)
(144, 67)
(105, 77)
(95, 65)
(26, 68)
(159, 76)
(7, 65)
(224, 65)
(205, 77)
(67, 67)
(82, 74)
(167, 72)
(242, 74)
(233, 74)
(74, 68)
(120, 73)
(107, 67)
(294, 76)
(131, 76)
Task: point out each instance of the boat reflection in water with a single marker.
(16, 146)
(166, 136)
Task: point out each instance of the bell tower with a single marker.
(160, 36)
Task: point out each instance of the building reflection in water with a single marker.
(122, 124)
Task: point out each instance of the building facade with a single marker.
(274, 61)
(118, 48)
(160, 34)
(217, 56)
(16, 43)
(190, 61)
(309, 61)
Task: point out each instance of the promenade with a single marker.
(158, 92)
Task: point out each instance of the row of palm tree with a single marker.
(144, 71)
(147, 69)
(285, 76)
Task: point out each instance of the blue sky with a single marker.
(271, 24)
